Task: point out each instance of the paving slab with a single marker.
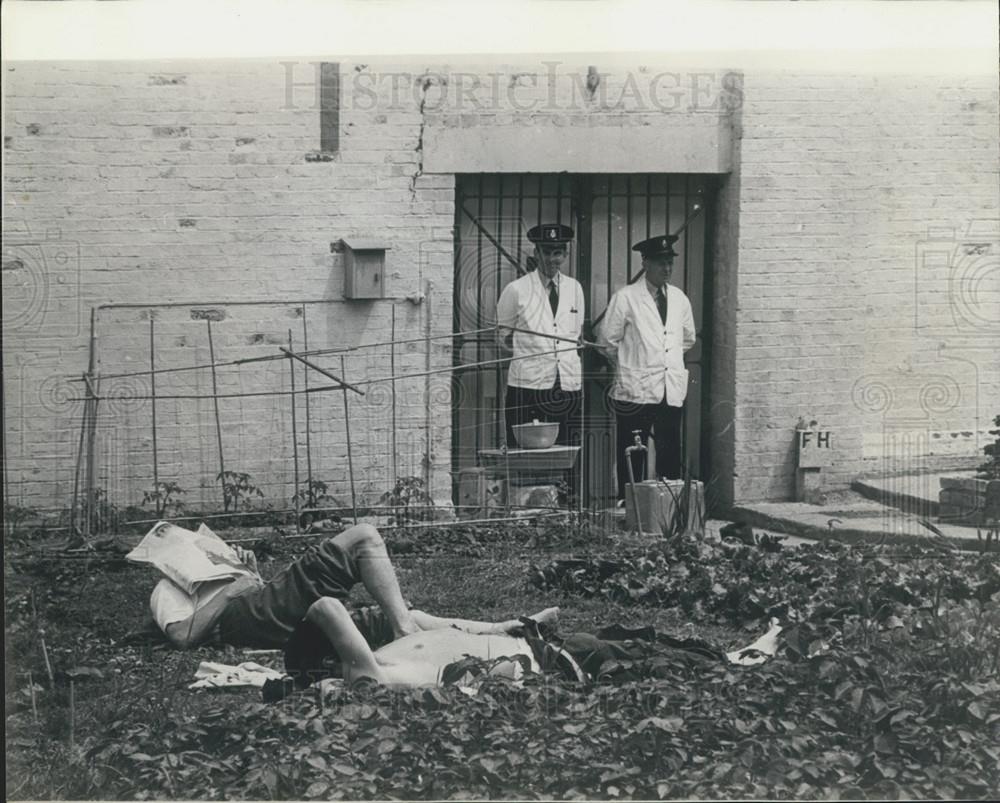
(712, 528)
(913, 493)
(863, 520)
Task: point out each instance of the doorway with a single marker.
(609, 212)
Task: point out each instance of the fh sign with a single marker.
(815, 447)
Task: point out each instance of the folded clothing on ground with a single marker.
(211, 675)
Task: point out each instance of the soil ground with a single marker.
(119, 721)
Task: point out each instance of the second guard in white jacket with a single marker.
(646, 330)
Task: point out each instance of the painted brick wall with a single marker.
(846, 183)
(175, 182)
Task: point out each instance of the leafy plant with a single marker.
(885, 686)
(990, 470)
(163, 498)
(410, 498)
(238, 490)
(687, 514)
(107, 514)
(826, 582)
(313, 494)
(14, 516)
(564, 494)
(104, 514)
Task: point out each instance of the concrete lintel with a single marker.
(692, 145)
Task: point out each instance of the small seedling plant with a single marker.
(410, 498)
(163, 496)
(238, 491)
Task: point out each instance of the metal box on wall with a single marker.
(364, 268)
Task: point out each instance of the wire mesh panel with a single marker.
(243, 409)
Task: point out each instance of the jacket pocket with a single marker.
(677, 385)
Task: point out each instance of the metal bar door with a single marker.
(609, 213)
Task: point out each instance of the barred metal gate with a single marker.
(609, 213)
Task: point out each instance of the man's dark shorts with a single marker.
(265, 617)
(310, 657)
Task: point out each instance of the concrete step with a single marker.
(912, 493)
(862, 520)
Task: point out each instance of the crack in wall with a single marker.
(427, 80)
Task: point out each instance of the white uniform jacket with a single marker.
(650, 353)
(524, 303)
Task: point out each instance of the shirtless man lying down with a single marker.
(429, 657)
(419, 659)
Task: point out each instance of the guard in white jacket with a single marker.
(545, 375)
(646, 330)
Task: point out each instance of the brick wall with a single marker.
(848, 284)
(200, 182)
(847, 182)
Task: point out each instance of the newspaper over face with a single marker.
(189, 558)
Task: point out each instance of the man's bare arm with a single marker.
(427, 621)
(192, 631)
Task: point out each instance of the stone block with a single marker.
(969, 500)
(958, 497)
(809, 486)
(968, 484)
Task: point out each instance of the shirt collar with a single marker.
(545, 279)
(652, 290)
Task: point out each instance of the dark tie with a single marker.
(661, 304)
(553, 297)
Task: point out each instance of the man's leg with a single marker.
(268, 616)
(563, 407)
(667, 430)
(356, 657)
(377, 575)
